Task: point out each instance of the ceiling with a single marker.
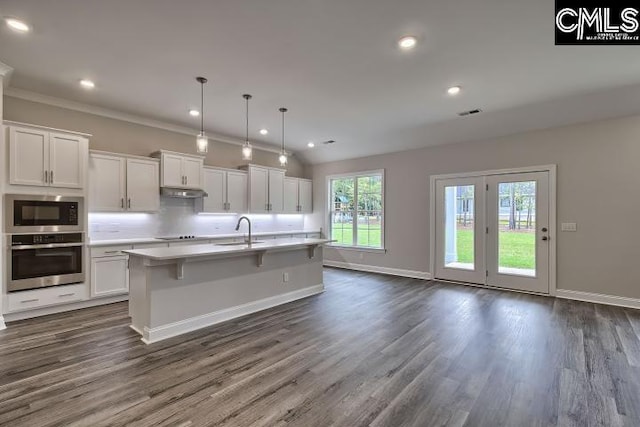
(334, 63)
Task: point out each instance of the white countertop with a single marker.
(139, 240)
(192, 251)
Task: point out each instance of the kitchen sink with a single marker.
(238, 243)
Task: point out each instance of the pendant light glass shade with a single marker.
(202, 142)
(247, 151)
(282, 158)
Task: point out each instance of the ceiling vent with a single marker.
(470, 112)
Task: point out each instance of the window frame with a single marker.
(330, 209)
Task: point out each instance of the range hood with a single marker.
(182, 193)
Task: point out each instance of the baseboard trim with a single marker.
(152, 335)
(11, 317)
(599, 298)
(382, 270)
(2, 324)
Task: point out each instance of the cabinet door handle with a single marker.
(129, 203)
(112, 252)
(29, 300)
(186, 180)
(46, 177)
(66, 295)
(122, 203)
(51, 177)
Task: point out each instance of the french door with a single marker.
(493, 230)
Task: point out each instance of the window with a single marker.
(356, 207)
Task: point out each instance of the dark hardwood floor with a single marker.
(372, 350)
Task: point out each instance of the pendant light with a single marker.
(283, 154)
(247, 151)
(202, 142)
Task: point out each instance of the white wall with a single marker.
(598, 188)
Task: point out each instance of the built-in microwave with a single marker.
(43, 214)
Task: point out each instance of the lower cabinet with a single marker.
(37, 298)
(109, 275)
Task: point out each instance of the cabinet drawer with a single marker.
(109, 250)
(37, 298)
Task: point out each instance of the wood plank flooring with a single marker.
(372, 350)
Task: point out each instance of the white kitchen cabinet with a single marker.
(46, 159)
(236, 192)
(122, 184)
(192, 169)
(266, 189)
(290, 195)
(276, 191)
(215, 185)
(172, 175)
(180, 170)
(143, 193)
(227, 191)
(66, 161)
(305, 195)
(109, 275)
(107, 184)
(297, 195)
(258, 189)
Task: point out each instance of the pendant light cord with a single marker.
(202, 107)
(247, 110)
(283, 110)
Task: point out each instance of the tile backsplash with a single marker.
(178, 217)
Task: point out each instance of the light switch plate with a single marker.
(569, 226)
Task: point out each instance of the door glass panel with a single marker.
(459, 227)
(517, 228)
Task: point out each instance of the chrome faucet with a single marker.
(248, 222)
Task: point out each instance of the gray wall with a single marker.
(130, 138)
(598, 188)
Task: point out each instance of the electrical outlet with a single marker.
(285, 277)
(569, 226)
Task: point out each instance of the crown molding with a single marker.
(127, 117)
(5, 72)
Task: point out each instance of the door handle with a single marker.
(545, 238)
(544, 229)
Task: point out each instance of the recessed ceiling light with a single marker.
(87, 84)
(194, 113)
(454, 90)
(310, 144)
(263, 131)
(407, 42)
(17, 25)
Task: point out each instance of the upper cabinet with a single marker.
(38, 157)
(180, 170)
(297, 195)
(123, 184)
(226, 191)
(266, 189)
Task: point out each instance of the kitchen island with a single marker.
(176, 290)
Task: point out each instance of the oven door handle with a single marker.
(45, 246)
